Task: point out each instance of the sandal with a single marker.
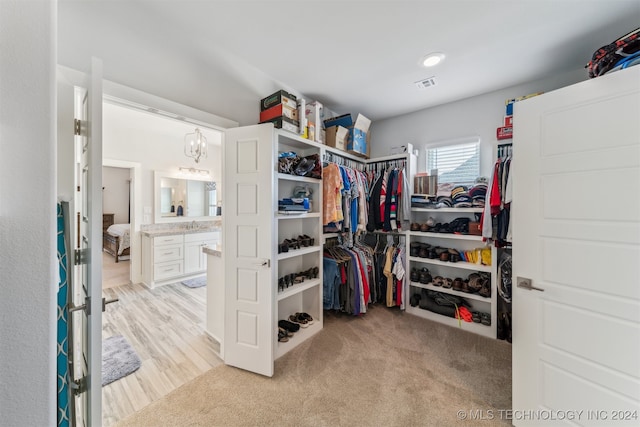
(295, 318)
(306, 317)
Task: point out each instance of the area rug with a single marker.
(119, 359)
(195, 283)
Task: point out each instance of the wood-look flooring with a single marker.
(166, 327)
(114, 273)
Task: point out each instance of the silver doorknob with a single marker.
(108, 301)
(526, 283)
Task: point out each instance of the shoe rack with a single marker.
(449, 269)
(298, 268)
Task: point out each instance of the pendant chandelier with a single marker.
(195, 145)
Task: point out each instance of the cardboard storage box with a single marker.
(286, 124)
(337, 137)
(344, 120)
(280, 97)
(314, 113)
(279, 110)
(358, 141)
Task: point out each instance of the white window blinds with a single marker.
(457, 163)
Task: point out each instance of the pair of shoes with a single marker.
(288, 326)
(485, 287)
(311, 273)
(485, 319)
(424, 228)
(425, 276)
(414, 301)
(415, 226)
(306, 241)
(288, 244)
(437, 281)
(283, 334)
(301, 319)
(414, 275)
(475, 316)
(414, 249)
(447, 283)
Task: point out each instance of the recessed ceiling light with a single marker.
(432, 59)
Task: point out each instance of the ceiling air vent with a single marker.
(425, 83)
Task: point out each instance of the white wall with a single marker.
(155, 148)
(28, 270)
(480, 115)
(115, 193)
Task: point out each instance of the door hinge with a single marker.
(77, 126)
(80, 256)
(78, 386)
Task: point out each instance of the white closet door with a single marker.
(576, 235)
(247, 241)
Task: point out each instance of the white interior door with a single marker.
(86, 307)
(247, 241)
(576, 235)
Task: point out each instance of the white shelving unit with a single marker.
(452, 270)
(306, 296)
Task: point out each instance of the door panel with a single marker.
(247, 241)
(86, 308)
(576, 234)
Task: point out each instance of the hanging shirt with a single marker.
(332, 194)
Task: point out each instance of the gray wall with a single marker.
(27, 213)
(480, 115)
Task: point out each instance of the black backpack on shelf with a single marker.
(614, 54)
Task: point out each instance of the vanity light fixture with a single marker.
(195, 145)
(432, 59)
(194, 172)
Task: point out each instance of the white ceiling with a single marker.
(362, 56)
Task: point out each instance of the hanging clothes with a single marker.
(497, 212)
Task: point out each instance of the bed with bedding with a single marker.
(116, 240)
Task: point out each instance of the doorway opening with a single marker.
(165, 325)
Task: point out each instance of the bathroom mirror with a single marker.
(179, 198)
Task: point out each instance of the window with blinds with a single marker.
(457, 163)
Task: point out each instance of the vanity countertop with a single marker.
(169, 231)
(215, 250)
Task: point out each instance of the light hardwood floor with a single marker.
(114, 273)
(166, 328)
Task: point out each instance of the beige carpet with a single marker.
(384, 369)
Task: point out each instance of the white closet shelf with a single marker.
(298, 338)
(460, 210)
(298, 215)
(478, 328)
(451, 292)
(297, 252)
(297, 288)
(460, 264)
(447, 236)
(296, 178)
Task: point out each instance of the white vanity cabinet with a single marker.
(168, 258)
(195, 261)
